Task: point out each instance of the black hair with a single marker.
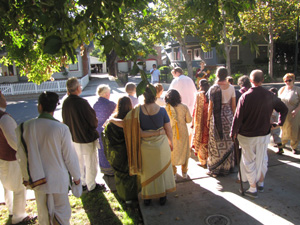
(244, 81)
(48, 100)
(222, 73)
(173, 97)
(123, 107)
(203, 83)
(149, 96)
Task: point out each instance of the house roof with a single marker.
(94, 60)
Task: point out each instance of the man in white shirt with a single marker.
(10, 173)
(154, 74)
(185, 86)
(48, 159)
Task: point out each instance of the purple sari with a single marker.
(103, 108)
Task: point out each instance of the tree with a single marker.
(40, 36)
(223, 19)
(270, 19)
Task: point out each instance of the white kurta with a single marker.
(54, 144)
(187, 90)
(10, 174)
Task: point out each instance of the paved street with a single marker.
(202, 199)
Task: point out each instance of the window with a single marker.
(73, 67)
(190, 54)
(6, 70)
(197, 55)
(208, 55)
(176, 54)
(234, 53)
(262, 52)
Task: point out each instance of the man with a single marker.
(251, 126)
(47, 156)
(185, 86)
(10, 173)
(81, 118)
(154, 74)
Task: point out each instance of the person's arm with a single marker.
(8, 126)
(169, 133)
(280, 107)
(188, 117)
(237, 119)
(145, 133)
(233, 104)
(116, 121)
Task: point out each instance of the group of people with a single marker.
(141, 145)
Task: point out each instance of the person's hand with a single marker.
(208, 122)
(294, 112)
(233, 137)
(171, 146)
(77, 182)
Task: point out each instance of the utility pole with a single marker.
(296, 50)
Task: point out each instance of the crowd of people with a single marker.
(142, 143)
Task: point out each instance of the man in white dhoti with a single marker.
(185, 86)
(251, 126)
(10, 173)
(48, 159)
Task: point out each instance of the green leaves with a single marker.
(52, 44)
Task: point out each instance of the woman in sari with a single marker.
(116, 153)
(150, 156)
(221, 108)
(103, 108)
(290, 95)
(179, 115)
(199, 124)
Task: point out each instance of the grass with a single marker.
(96, 208)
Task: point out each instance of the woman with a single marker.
(202, 73)
(159, 91)
(290, 95)
(199, 124)
(244, 83)
(221, 107)
(148, 155)
(116, 153)
(103, 108)
(179, 115)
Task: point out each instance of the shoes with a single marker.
(27, 220)
(250, 194)
(260, 188)
(84, 187)
(296, 152)
(202, 165)
(184, 175)
(162, 200)
(147, 202)
(99, 187)
(280, 151)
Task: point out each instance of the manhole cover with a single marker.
(217, 220)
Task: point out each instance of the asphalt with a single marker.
(202, 199)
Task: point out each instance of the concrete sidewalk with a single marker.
(205, 200)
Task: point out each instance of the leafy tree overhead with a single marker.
(40, 36)
(269, 19)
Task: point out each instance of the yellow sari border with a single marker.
(155, 176)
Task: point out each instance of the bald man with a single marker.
(251, 126)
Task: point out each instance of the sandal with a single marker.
(27, 220)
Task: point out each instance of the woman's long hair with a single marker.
(123, 107)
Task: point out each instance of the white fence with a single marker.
(29, 88)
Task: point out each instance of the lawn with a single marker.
(101, 207)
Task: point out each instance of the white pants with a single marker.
(88, 163)
(53, 207)
(14, 190)
(254, 161)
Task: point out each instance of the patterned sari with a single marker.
(200, 128)
(220, 145)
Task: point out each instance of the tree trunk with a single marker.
(228, 62)
(271, 45)
(111, 63)
(85, 62)
(187, 59)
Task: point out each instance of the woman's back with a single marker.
(155, 121)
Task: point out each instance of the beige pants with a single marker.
(184, 167)
(53, 208)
